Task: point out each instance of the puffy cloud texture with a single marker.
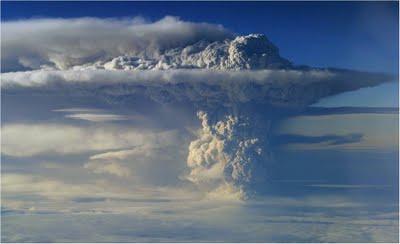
(228, 157)
(62, 43)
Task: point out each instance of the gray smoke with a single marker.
(229, 155)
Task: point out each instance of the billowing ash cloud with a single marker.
(63, 43)
(173, 62)
(229, 153)
(254, 51)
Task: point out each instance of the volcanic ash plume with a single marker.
(168, 65)
(228, 155)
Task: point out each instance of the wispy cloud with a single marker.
(328, 139)
(349, 186)
(78, 110)
(26, 140)
(97, 117)
(103, 167)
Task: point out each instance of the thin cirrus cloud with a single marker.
(113, 155)
(151, 163)
(97, 117)
(113, 168)
(78, 110)
(329, 139)
(92, 114)
(115, 162)
(349, 186)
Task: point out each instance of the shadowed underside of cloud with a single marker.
(202, 88)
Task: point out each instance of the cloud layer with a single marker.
(41, 139)
(199, 87)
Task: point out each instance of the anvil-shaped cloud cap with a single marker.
(167, 60)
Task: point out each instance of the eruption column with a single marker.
(230, 154)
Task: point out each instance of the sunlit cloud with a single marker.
(52, 42)
(97, 117)
(25, 140)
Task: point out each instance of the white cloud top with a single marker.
(63, 43)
